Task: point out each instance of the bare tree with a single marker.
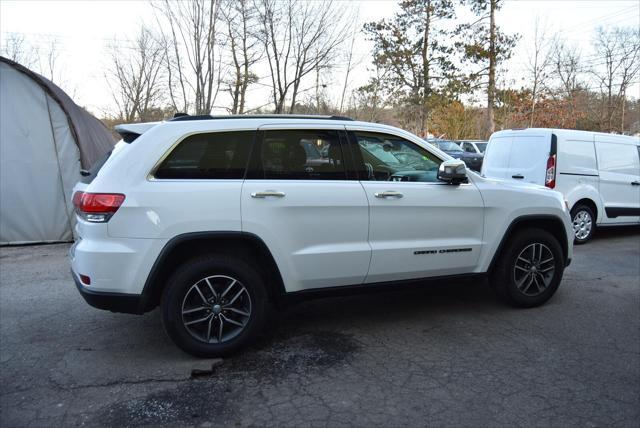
(566, 66)
(619, 51)
(370, 96)
(135, 77)
(16, 48)
(298, 38)
(192, 59)
(539, 65)
(350, 65)
(240, 17)
(50, 58)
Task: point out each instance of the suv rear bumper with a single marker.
(114, 302)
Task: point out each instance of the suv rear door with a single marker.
(301, 199)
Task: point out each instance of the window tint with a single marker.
(390, 158)
(219, 155)
(301, 155)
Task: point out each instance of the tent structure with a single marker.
(45, 140)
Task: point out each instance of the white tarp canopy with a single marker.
(45, 140)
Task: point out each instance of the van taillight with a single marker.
(550, 178)
(97, 207)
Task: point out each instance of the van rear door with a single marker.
(518, 155)
(496, 157)
(529, 155)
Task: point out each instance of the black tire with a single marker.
(213, 267)
(504, 278)
(583, 210)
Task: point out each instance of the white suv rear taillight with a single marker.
(550, 177)
(97, 207)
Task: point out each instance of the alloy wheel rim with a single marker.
(216, 309)
(534, 269)
(582, 225)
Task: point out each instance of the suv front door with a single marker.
(418, 226)
(307, 206)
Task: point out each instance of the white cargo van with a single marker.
(598, 174)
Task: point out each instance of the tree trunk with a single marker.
(424, 110)
(624, 101)
(491, 88)
(245, 57)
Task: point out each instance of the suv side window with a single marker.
(216, 155)
(300, 155)
(390, 158)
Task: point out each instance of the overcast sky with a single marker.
(84, 29)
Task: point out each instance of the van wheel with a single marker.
(583, 223)
(213, 305)
(529, 269)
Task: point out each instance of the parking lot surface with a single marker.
(431, 356)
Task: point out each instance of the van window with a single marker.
(216, 155)
(499, 151)
(618, 158)
(529, 153)
(577, 157)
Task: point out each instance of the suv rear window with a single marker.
(301, 155)
(88, 176)
(216, 155)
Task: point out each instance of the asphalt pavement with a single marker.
(446, 355)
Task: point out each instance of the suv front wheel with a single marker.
(530, 268)
(213, 305)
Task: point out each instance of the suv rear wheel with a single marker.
(213, 305)
(529, 269)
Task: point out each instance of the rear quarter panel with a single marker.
(161, 209)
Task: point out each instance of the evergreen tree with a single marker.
(415, 53)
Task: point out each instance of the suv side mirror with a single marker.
(452, 171)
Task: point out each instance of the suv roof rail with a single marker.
(182, 117)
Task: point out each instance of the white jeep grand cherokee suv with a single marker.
(215, 219)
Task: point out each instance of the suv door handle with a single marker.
(518, 176)
(635, 183)
(268, 193)
(388, 194)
